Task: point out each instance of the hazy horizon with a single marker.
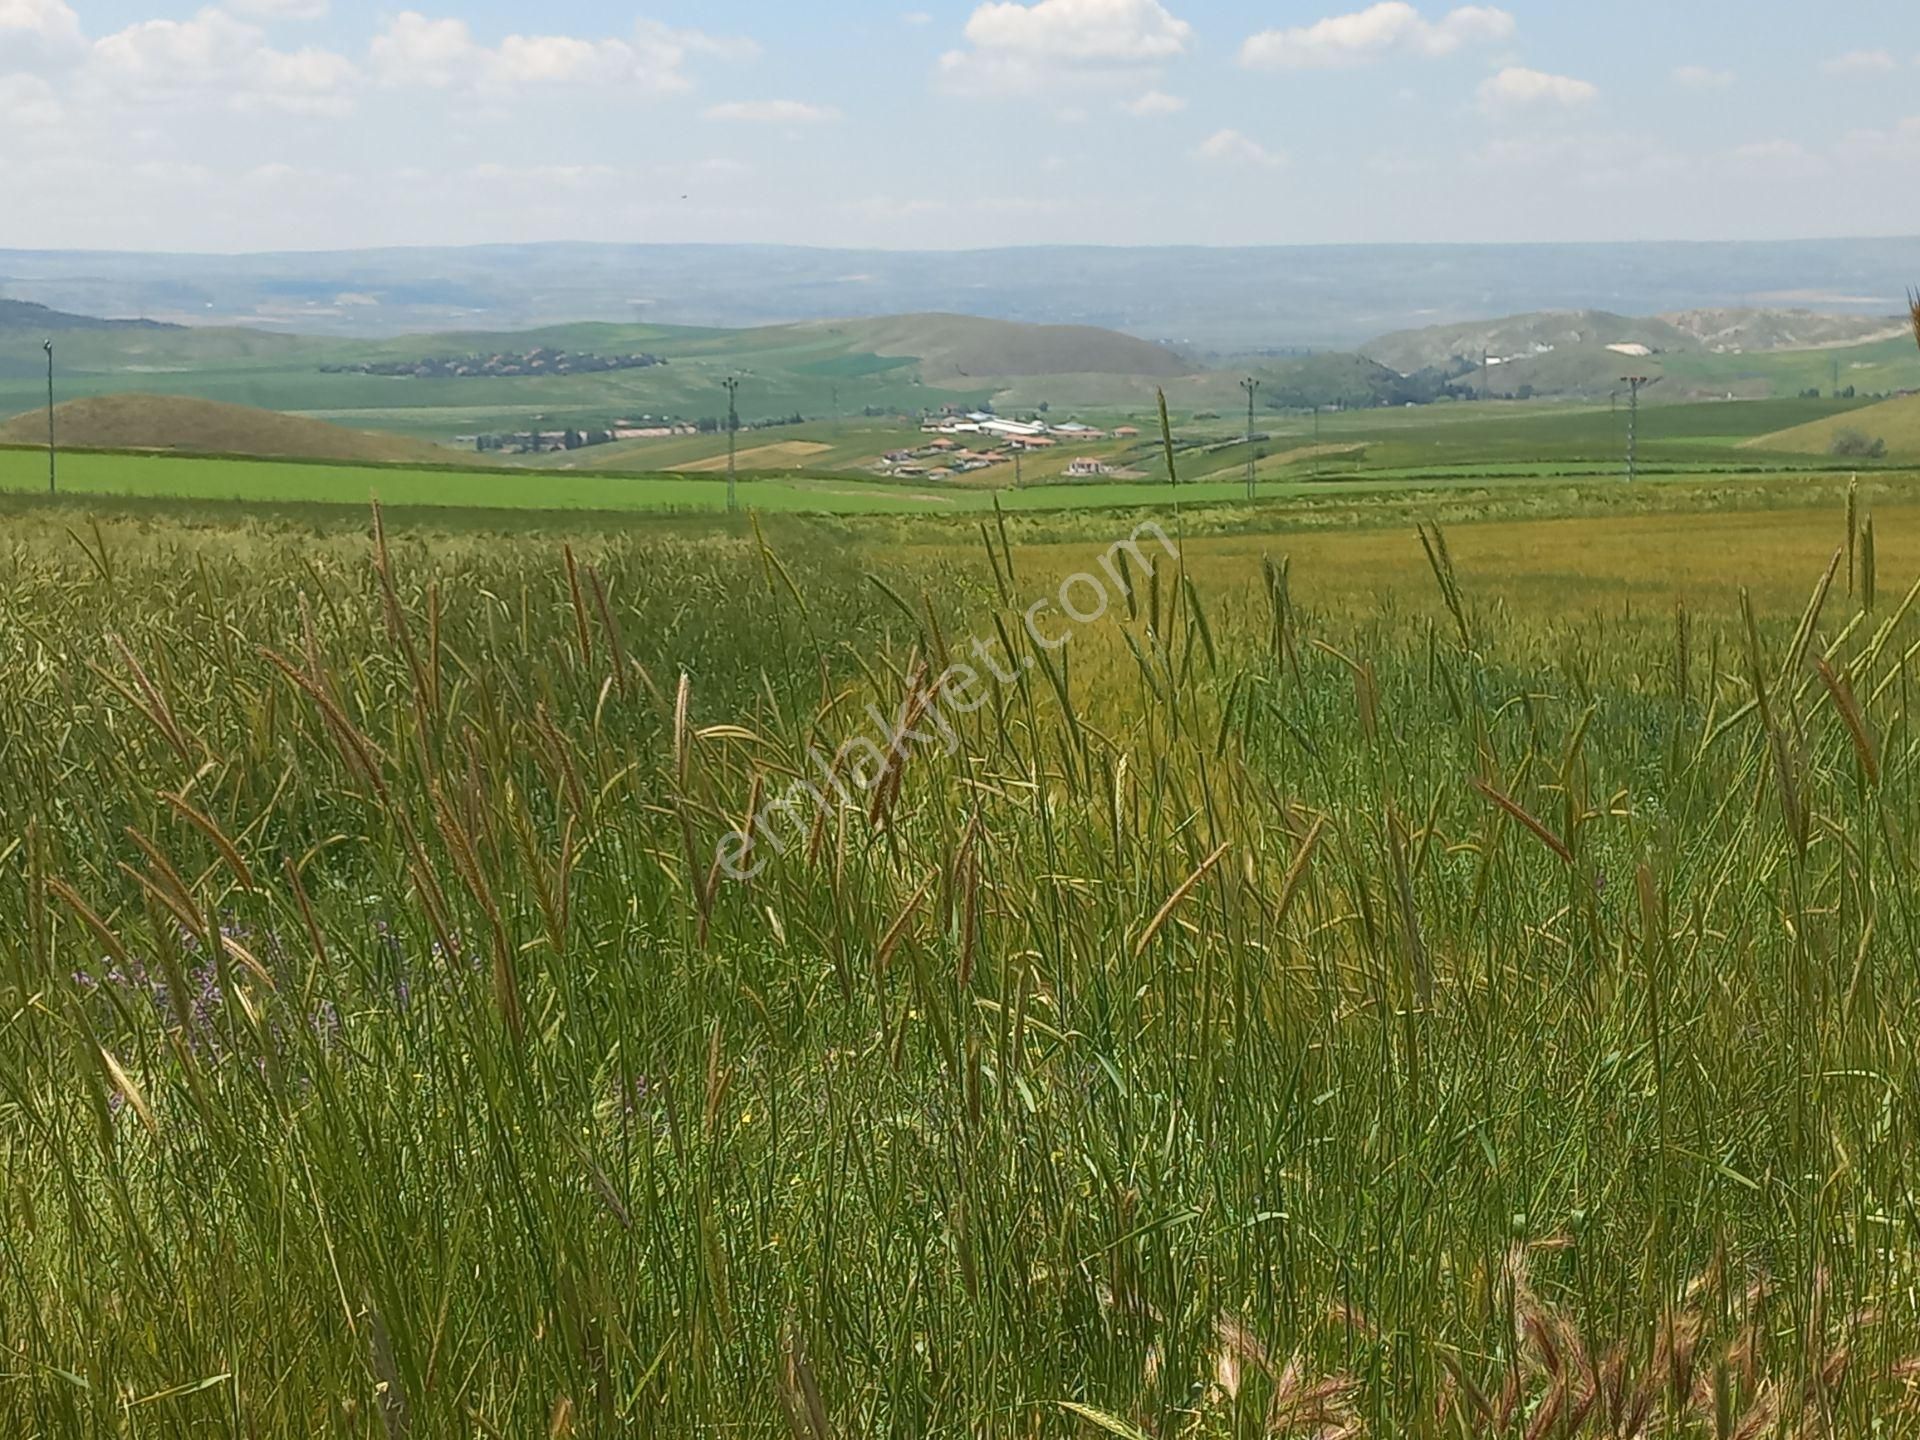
(1811, 238)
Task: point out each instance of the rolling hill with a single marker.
(1746, 332)
(1895, 421)
(208, 427)
(24, 315)
(432, 387)
(965, 347)
(1517, 338)
(1701, 354)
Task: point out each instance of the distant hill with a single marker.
(1709, 353)
(1896, 421)
(24, 315)
(965, 347)
(1746, 332)
(1223, 298)
(1351, 382)
(208, 427)
(1523, 338)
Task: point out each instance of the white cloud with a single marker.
(916, 17)
(1907, 132)
(307, 81)
(1018, 47)
(1588, 161)
(1155, 103)
(567, 177)
(39, 32)
(1391, 28)
(1702, 77)
(1778, 160)
(415, 50)
(282, 9)
(1860, 62)
(887, 209)
(1091, 31)
(28, 103)
(1230, 147)
(772, 112)
(1517, 87)
(214, 58)
(174, 174)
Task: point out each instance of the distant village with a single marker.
(953, 443)
(647, 427)
(543, 361)
(980, 440)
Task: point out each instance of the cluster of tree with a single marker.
(537, 442)
(712, 425)
(1853, 445)
(542, 361)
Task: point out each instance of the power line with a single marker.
(732, 382)
(1250, 385)
(52, 452)
(1636, 383)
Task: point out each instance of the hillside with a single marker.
(1895, 421)
(1522, 337)
(965, 347)
(1701, 354)
(208, 427)
(24, 315)
(1744, 332)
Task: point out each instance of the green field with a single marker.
(1357, 982)
(1425, 951)
(110, 476)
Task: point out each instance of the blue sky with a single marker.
(290, 124)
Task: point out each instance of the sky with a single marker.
(334, 124)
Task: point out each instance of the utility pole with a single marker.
(1018, 451)
(1636, 383)
(1486, 374)
(1250, 385)
(52, 453)
(732, 382)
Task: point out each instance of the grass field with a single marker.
(1896, 422)
(1345, 982)
(1297, 498)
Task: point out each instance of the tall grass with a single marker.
(1448, 1022)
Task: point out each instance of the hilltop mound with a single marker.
(955, 347)
(1895, 421)
(208, 427)
(25, 315)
